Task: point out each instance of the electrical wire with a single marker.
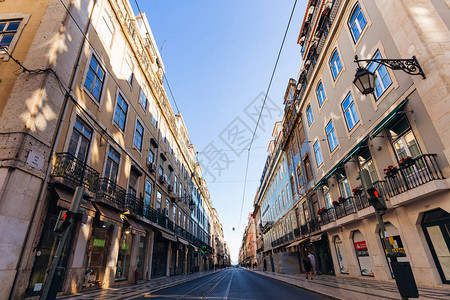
(262, 108)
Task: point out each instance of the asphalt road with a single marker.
(234, 284)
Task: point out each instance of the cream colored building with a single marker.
(406, 116)
(82, 103)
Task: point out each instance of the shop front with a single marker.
(362, 254)
(320, 247)
(436, 227)
(99, 246)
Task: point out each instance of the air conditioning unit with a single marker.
(170, 188)
(151, 166)
(163, 178)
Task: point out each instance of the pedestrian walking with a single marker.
(308, 267)
(312, 260)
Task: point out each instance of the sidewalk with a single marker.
(131, 291)
(354, 288)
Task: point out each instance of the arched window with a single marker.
(362, 253)
(356, 22)
(341, 255)
(335, 64)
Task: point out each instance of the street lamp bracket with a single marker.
(410, 65)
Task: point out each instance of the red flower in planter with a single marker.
(335, 203)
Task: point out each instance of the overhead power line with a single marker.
(262, 107)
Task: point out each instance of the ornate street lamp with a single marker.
(365, 80)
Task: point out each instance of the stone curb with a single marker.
(299, 286)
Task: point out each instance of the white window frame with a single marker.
(24, 21)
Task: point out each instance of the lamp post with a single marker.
(365, 80)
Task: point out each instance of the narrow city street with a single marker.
(234, 283)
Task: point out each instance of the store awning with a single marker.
(184, 242)
(391, 117)
(297, 243)
(135, 226)
(65, 199)
(316, 238)
(169, 237)
(355, 150)
(108, 215)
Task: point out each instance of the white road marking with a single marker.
(229, 286)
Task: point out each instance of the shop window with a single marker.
(124, 256)
(382, 78)
(356, 22)
(112, 165)
(341, 255)
(362, 254)
(80, 140)
(436, 227)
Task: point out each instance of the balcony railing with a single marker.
(424, 169)
(327, 216)
(346, 208)
(313, 225)
(361, 201)
(134, 204)
(109, 192)
(76, 171)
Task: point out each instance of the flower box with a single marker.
(391, 171)
(321, 211)
(357, 191)
(406, 162)
(335, 203)
(341, 200)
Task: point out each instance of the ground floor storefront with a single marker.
(420, 230)
(105, 247)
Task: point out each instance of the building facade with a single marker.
(83, 104)
(397, 133)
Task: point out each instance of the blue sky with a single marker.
(219, 57)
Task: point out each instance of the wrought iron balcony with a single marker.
(109, 192)
(345, 208)
(134, 204)
(313, 225)
(327, 217)
(70, 168)
(361, 201)
(423, 169)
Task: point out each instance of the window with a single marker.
(331, 136)
(335, 64)
(366, 163)
(356, 22)
(349, 109)
(382, 78)
(95, 78)
(143, 99)
(120, 115)
(318, 154)
(308, 168)
(327, 196)
(8, 28)
(148, 193)
(105, 28)
(167, 208)
(151, 156)
(309, 115)
(80, 140)
(138, 136)
(175, 184)
(127, 69)
(174, 213)
(320, 93)
(403, 140)
(158, 201)
(299, 176)
(112, 165)
(344, 187)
